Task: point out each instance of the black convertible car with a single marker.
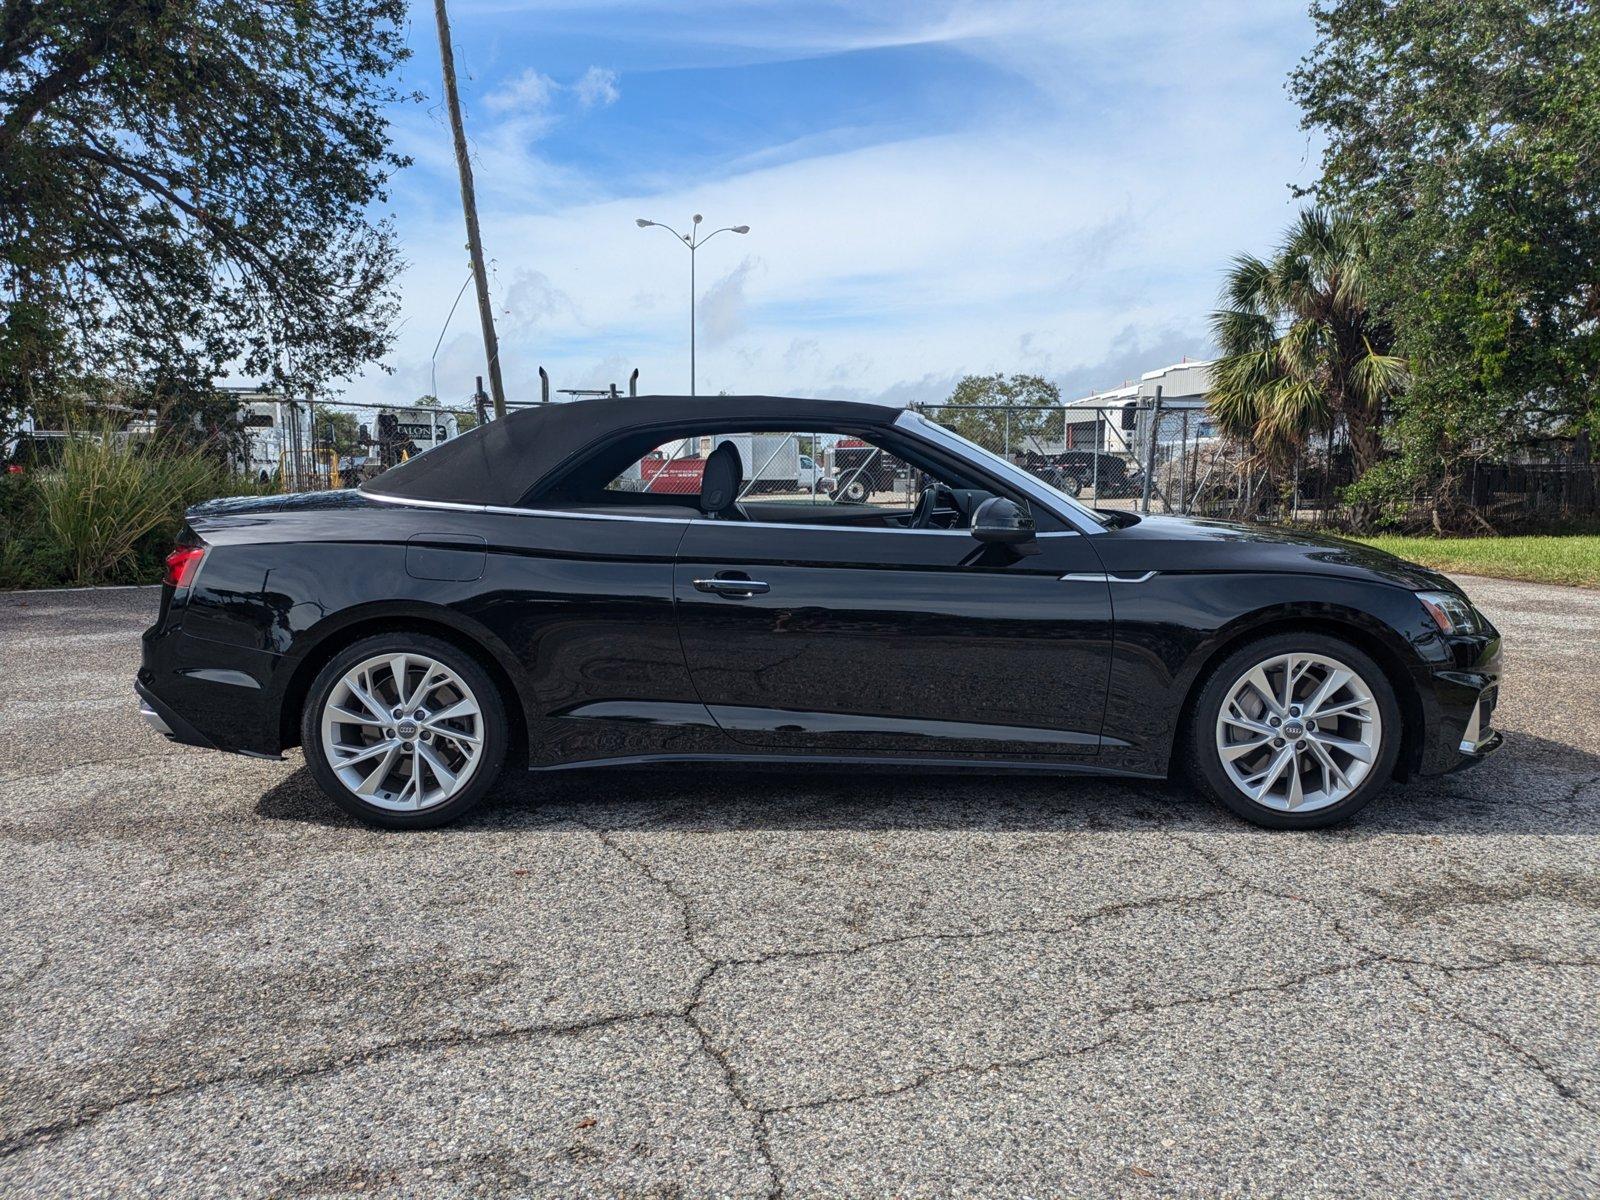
(520, 594)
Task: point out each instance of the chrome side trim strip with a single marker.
(565, 514)
(1102, 577)
(509, 511)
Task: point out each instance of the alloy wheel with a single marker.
(1299, 732)
(402, 731)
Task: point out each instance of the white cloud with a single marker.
(1082, 236)
(596, 88)
(722, 309)
(529, 94)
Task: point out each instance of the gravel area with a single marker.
(694, 984)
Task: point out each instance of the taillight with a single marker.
(183, 564)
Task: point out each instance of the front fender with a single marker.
(1171, 629)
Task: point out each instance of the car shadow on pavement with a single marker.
(1533, 786)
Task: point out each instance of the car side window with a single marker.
(810, 470)
(817, 478)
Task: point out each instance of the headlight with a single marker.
(1450, 612)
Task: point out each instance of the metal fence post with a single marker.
(1150, 452)
(1095, 449)
(1183, 466)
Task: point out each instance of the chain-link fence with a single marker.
(1137, 455)
(297, 446)
(1142, 456)
(1147, 458)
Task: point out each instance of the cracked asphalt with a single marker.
(690, 984)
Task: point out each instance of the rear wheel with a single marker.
(1294, 731)
(404, 730)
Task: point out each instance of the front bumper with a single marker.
(1479, 740)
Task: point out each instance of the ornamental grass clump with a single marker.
(110, 492)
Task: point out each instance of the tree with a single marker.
(1466, 138)
(185, 187)
(339, 428)
(1301, 346)
(997, 410)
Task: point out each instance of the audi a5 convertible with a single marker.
(654, 581)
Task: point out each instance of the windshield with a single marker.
(1027, 480)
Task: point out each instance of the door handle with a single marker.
(722, 586)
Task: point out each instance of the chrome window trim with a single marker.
(567, 514)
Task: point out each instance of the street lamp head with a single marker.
(642, 223)
(698, 218)
(741, 229)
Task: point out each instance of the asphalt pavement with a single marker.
(679, 984)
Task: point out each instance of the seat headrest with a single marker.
(719, 482)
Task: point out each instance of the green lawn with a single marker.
(1573, 559)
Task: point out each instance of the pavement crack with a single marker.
(425, 1044)
(1073, 925)
(926, 1077)
(1022, 1062)
(669, 886)
(1521, 1053)
(689, 1014)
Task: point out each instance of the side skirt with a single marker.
(882, 763)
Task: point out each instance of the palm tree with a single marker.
(1301, 347)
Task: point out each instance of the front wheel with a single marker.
(404, 730)
(1294, 731)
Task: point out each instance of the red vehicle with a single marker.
(671, 476)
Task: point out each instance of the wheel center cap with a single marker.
(407, 729)
(1293, 729)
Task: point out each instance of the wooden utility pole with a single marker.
(469, 205)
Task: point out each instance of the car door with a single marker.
(810, 637)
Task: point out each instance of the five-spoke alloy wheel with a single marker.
(404, 730)
(1295, 731)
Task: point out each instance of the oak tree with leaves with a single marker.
(187, 186)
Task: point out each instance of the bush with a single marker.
(110, 498)
(29, 554)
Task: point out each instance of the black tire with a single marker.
(1200, 763)
(494, 730)
(855, 492)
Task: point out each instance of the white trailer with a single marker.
(771, 461)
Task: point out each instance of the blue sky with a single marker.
(932, 189)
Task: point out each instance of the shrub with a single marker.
(109, 495)
(29, 555)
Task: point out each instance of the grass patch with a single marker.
(1570, 559)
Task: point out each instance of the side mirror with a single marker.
(1002, 522)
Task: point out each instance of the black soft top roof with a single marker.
(504, 461)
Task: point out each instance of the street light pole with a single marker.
(694, 241)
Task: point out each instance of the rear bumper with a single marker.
(200, 692)
(160, 717)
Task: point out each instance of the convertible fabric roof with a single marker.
(502, 461)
